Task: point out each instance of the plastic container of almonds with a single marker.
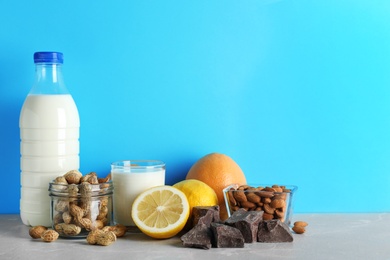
(275, 200)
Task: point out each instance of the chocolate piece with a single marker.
(226, 236)
(205, 215)
(247, 222)
(274, 231)
(198, 237)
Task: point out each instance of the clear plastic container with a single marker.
(49, 132)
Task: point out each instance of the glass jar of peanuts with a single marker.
(76, 209)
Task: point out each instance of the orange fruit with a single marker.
(218, 171)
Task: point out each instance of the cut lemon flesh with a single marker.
(161, 212)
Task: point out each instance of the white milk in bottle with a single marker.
(49, 132)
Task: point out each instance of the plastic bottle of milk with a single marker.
(49, 132)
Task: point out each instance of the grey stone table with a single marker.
(328, 236)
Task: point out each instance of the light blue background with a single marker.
(295, 91)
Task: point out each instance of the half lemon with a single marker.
(161, 212)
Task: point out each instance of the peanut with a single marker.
(60, 180)
(49, 236)
(93, 180)
(62, 205)
(76, 211)
(61, 183)
(106, 238)
(102, 213)
(104, 201)
(73, 189)
(67, 217)
(93, 235)
(67, 229)
(99, 223)
(73, 177)
(37, 231)
(119, 230)
(85, 223)
(106, 179)
(58, 218)
(87, 177)
(85, 188)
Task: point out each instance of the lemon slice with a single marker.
(161, 212)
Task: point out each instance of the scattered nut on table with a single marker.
(100, 237)
(50, 235)
(37, 231)
(299, 227)
(119, 230)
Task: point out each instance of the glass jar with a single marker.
(76, 209)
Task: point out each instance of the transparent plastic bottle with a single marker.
(49, 132)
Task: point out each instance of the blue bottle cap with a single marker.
(48, 56)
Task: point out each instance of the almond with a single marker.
(278, 203)
(252, 197)
(239, 195)
(248, 204)
(232, 200)
(267, 216)
(268, 209)
(298, 229)
(300, 224)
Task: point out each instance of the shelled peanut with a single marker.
(271, 200)
(82, 209)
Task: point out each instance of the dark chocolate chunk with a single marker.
(274, 231)
(226, 236)
(205, 215)
(247, 222)
(198, 237)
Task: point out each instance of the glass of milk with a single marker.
(130, 178)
